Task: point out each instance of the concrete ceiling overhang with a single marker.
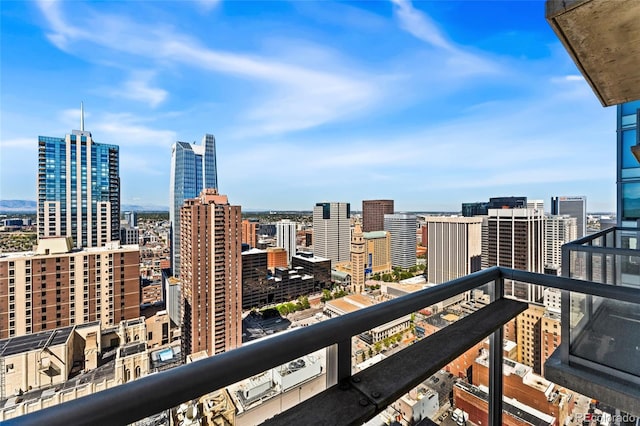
(603, 39)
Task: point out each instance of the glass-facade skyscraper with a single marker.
(628, 178)
(193, 168)
(78, 189)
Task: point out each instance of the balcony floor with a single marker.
(612, 337)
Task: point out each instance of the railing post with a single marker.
(338, 362)
(495, 362)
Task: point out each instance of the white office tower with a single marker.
(402, 227)
(286, 237)
(332, 231)
(559, 230)
(454, 247)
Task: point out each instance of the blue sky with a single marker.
(428, 103)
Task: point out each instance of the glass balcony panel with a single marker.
(606, 332)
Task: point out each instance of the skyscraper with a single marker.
(628, 170)
(559, 230)
(286, 237)
(373, 212)
(78, 189)
(193, 168)
(59, 286)
(357, 260)
(455, 247)
(402, 227)
(515, 239)
(332, 231)
(574, 207)
(211, 246)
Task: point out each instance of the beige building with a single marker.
(55, 287)
(354, 302)
(54, 366)
(559, 230)
(455, 247)
(357, 260)
(378, 252)
(211, 273)
(538, 336)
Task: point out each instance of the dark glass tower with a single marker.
(193, 168)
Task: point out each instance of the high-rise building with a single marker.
(574, 207)
(455, 247)
(482, 208)
(357, 260)
(58, 286)
(515, 239)
(193, 168)
(332, 231)
(402, 227)
(286, 237)
(378, 252)
(373, 212)
(254, 278)
(318, 267)
(559, 230)
(250, 232)
(474, 209)
(131, 218)
(535, 204)
(78, 189)
(628, 170)
(276, 258)
(210, 250)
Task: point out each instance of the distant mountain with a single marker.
(145, 208)
(28, 206)
(18, 206)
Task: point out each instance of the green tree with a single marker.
(326, 295)
(370, 352)
(377, 347)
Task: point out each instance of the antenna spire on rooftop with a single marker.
(81, 116)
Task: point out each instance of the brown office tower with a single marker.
(250, 233)
(58, 286)
(373, 212)
(211, 273)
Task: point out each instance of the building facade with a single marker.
(559, 230)
(276, 258)
(193, 168)
(378, 252)
(318, 267)
(56, 286)
(515, 239)
(211, 246)
(78, 189)
(357, 260)
(574, 207)
(254, 276)
(250, 232)
(332, 231)
(373, 212)
(455, 247)
(402, 227)
(628, 170)
(286, 237)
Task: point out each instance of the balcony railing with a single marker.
(349, 398)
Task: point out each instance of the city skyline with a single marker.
(415, 102)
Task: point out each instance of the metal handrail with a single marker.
(157, 392)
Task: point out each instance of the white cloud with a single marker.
(138, 88)
(208, 5)
(127, 130)
(297, 97)
(19, 143)
(421, 26)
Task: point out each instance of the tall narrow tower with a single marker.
(78, 188)
(331, 231)
(357, 260)
(211, 277)
(193, 168)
